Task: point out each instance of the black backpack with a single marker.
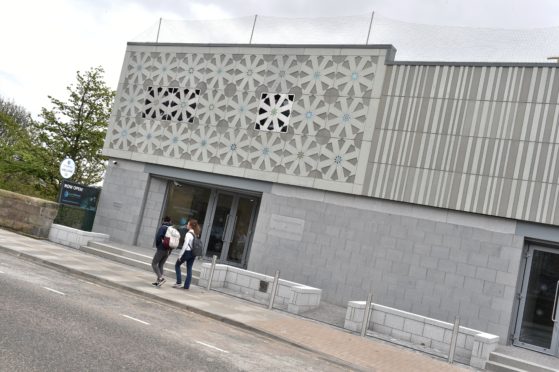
(196, 245)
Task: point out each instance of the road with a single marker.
(51, 321)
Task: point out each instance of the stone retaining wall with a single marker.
(26, 214)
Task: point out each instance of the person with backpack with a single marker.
(188, 253)
(162, 252)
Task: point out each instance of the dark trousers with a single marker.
(187, 257)
(158, 262)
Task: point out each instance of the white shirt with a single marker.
(187, 242)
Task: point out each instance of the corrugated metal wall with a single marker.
(481, 139)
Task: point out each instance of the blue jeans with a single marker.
(189, 258)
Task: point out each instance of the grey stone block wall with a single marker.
(152, 212)
(427, 261)
(118, 211)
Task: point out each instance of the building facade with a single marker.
(433, 184)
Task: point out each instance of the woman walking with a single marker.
(185, 255)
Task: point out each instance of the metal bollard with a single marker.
(367, 315)
(274, 290)
(454, 339)
(214, 259)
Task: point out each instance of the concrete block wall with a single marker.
(471, 345)
(118, 211)
(152, 217)
(294, 297)
(74, 238)
(428, 261)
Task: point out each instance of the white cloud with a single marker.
(44, 43)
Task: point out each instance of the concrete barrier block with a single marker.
(484, 345)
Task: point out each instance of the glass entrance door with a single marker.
(537, 325)
(231, 227)
(219, 224)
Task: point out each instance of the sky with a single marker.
(44, 43)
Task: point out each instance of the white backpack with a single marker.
(172, 238)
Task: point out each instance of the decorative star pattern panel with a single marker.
(355, 76)
(301, 155)
(191, 70)
(250, 73)
(317, 74)
(309, 115)
(283, 73)
(139, 68)
(131, 100)
(176, 104)
(175, 140)
(213, 106)
(241, 110)
(346, 118)
(220, 71)
(302, 115)
(338, 160)
(147, 139)
(274, 112)
(122, 134)
(266, 151)
(234, 147)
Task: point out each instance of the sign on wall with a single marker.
(79, 195)
(67, 168)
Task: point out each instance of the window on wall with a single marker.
(176, 104)
(274, 112)
(186, 201)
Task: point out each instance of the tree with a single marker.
(24, 163)
(77, 128)
(17, 115)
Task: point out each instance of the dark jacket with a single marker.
(161, 234)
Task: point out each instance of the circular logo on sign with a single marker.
(67, 168)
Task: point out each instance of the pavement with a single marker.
(347, 349)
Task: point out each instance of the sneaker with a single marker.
(155, 283)
(177, 285)
(161, 281)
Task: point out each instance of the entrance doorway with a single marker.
(227, 218)
(537, 326)
(230, 229)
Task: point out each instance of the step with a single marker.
(499, 367)
(145, 256)
(518, 364)
(137, 260)
(120, 251)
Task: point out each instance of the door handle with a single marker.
(553, 317)
(225, 228)
(233, 226)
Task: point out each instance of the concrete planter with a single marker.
(73, 237)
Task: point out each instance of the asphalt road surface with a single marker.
(51, 321)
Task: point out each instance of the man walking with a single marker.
(162, 252)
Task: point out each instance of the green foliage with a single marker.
(23, 162)
(76, 128)
(31, 152)
(18, 116)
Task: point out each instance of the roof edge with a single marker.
(225, 45)
(390, 57)
(472, 64)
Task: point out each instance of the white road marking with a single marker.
(213, 347)
(55, 291)
(138, 320)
